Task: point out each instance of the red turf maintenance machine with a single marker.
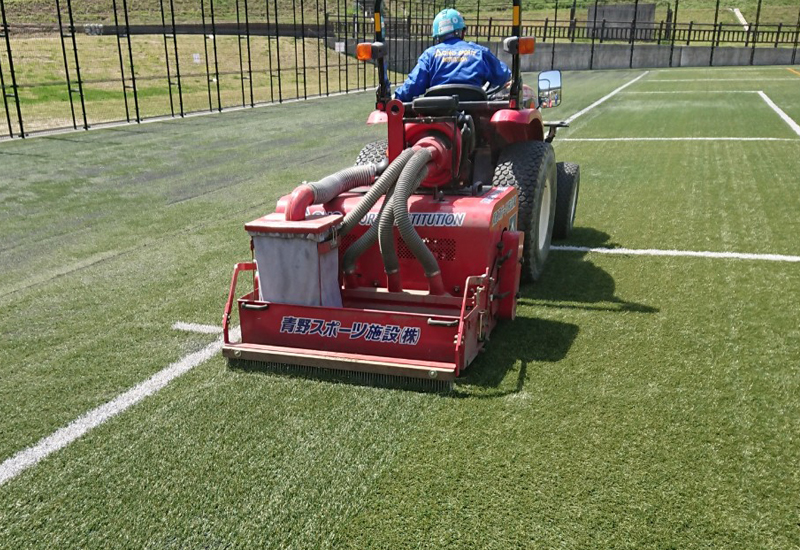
(399, 268)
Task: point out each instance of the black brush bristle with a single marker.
(355, 378)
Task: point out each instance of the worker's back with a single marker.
(453, 61)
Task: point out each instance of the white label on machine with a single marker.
(371, 332)
(340, 47)
(425, 219)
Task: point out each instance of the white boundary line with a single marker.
(716, 79)
(697, 92)
(605, 98)
(786, 118)
(62, 437)
(681, 139)
(681, 253)
(194, 327)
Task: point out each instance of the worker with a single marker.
(452, 60)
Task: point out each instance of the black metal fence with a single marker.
(82, 63)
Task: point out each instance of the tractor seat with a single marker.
(463, 91)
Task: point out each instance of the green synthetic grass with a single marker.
(636, 402)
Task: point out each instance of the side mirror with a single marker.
(549, 89)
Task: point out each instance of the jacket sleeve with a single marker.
(417, 82)
(497, 71)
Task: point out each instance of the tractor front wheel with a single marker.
(569, 184)
(530, 166)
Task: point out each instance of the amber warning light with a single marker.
(526, 45)
(364, 51)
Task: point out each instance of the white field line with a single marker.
(605, 98)
(717, 79)
(681, 139)
(786, 118)
(681, 253)
(194, 327)
(741, 18)
(698, 92)
(62, 437)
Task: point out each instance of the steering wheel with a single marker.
(493, 91)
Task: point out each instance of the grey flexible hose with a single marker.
(385, 224)
(330, 187)
(365, 241)
(375, 192)
(412, 176)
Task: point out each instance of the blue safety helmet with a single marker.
(447, 22)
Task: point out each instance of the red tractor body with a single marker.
(404, 264)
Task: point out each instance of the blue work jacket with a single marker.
(453, 61)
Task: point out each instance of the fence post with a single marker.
(296, 60)
(130, 58)
(319, 55)
(5, 31)
(239, 45)
(778, 33)
(303, 40)
(555, 32)
(478, 20)
(715, 35)
(205, 51)
(796, 36)
(660, 31)
(175, 49)
(489, 34)
(121, 65)
(544, 30)
(633, 30)
(602, 30)
(278, 51)
(166, 57)
(216, 59)
(755, 33)
(594, 32)
(249, 52)
(674, 32)
(77, 64)
(689, 33)
(66, 64)
(327, 73)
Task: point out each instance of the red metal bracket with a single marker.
(226, 316)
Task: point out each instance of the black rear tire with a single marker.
(530, 166)
(373, 153)
(569, 184)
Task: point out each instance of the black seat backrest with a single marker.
(435, 106)
(463, 91)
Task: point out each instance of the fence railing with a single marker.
(87, 63)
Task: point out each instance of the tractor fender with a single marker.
(377, 117)
(519, 125)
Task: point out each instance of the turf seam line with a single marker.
(786, 118)
(62, 437)
(605, 98)
(681, 253)
(196, 327)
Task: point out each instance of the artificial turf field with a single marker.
(638, 401)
